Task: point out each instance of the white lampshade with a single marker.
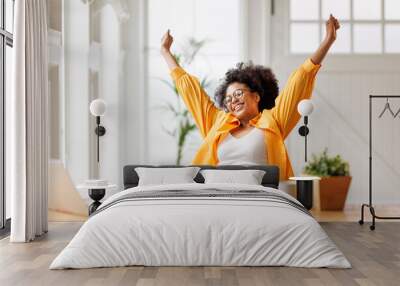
(98, 107)
(305, 107)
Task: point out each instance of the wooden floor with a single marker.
(58, 216)
(375, 257)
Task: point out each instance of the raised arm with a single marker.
(301, 83)
(166, 43)
(196, 99)
(331, 26)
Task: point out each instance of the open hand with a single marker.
(166, 42)
(331, 26)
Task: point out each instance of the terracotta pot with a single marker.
(333, 192)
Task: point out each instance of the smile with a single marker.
(238, 106)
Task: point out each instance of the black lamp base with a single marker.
(305, 193)
(96, 195)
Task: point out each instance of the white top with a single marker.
(246, 150)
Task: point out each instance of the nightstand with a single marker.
(304, 186)
(96, 193)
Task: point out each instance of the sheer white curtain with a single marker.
(27, 135)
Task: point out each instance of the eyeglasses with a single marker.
(236, 94)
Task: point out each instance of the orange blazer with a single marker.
(214, 123)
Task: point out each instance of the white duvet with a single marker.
(200, 231)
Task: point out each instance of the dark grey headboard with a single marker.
(270, 179)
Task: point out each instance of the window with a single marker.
(222, 50)
(367, 26)
(6, 43)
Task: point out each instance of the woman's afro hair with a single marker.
(257, 78)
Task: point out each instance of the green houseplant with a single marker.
(324, 166)
(185, 124)
(335, 179)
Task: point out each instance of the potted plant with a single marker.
(335, 179)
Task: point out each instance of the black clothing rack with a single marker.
(370, 205)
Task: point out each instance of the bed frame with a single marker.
(270, 179)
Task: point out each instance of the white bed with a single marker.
(185, 230)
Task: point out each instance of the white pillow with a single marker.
(249, 177)
(163, 176)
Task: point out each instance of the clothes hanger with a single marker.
(397, 113)
(387, 106)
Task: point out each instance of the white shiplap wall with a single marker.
(340, 119)
(340, 122)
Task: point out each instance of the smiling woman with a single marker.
(249, 99)
(257, 87)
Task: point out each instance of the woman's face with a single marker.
(241, 102)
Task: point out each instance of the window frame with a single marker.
(6, 39)
(283, 59)
(351, 21)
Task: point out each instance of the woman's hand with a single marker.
(169, 58)
(166, 42)
(332, 24)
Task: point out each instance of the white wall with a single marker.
(111, 58)
(108, 60)
(340, 120)
(134, 118)
(76, 39)
(340, 123)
